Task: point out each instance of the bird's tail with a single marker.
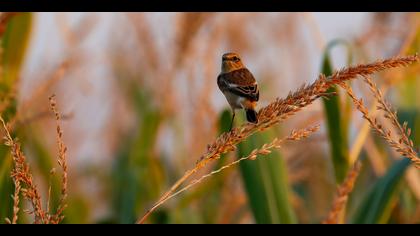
(251, 116)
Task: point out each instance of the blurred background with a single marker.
(140, 103)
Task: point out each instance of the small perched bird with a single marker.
(239, 86)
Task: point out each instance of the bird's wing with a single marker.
(242, 83)
(251, 92)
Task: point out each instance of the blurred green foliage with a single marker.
(265, 181)
(14, 43)
(377, 204)
(138, 173)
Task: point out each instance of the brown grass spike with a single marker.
(343, 192)
(404, 145)
(280, 110)
(62, 162)
(295, 135)
(21, 173)
(404, 132)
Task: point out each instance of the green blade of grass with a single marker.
(377, 204)
(78, 213)
(6, 185)
(337, 123)
(14, 43)
(412, 117)
(266, 183)
(138, 174)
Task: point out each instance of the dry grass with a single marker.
(280, 110)
(402, 144)
(189, 25)
(343, 192)
(21, 175)
(24, 182)
(62, 162)
(295, 135)
(159, 75)
(16, 201)
(53, 78)
(389, 78)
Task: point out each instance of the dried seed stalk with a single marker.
(280, 110)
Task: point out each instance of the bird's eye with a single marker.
(236, 58)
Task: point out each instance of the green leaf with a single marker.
(265, 181)
(377, 204)
(336, 122)
(224, 121)
(411, 116)
(78, 210)
(6, 184)
(14, 43)
(138, 174)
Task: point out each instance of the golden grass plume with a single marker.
(403, 145)
(23, 179)
(22, 176)
(295, 135)
(62, 162)
(280, 110)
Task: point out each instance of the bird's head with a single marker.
(230, 62)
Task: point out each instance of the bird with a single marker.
(239, 86)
